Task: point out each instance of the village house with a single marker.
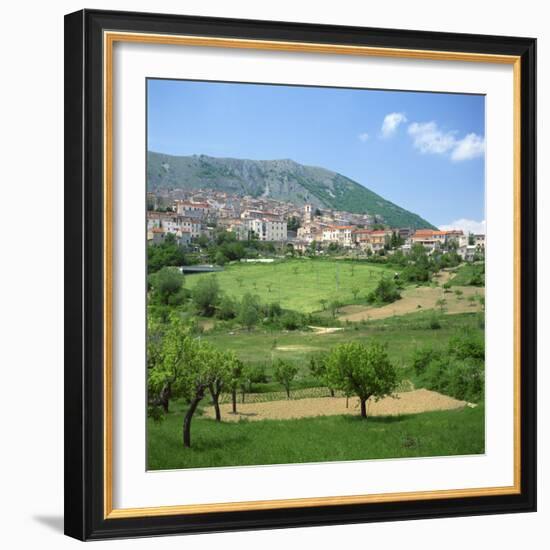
(171, 222)
(192, 209)
(379, 238)
(267, 229)
(340, 234)
(361, 237)
(426, 238)
(479, 241)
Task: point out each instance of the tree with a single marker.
(355, 292)
(235, 373)
(227, 308)
(362, 370)
(441, 303)
(200, 368)
(285, 372)
(165, 354)
(319, 370)
(166, 285)
(155, 357)
(220, 258)
(222, 376)
(185, 367)
(167, 253)
(334, 306)
(385, 292)
(249, 311)
(206, 295)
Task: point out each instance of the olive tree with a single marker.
(285, 372)
(225, 373)
(200, 369)
(235, 374)
(165, 353)
(362, 370)
(318, 368)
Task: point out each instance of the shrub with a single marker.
(291, 320)
(458, 371)
(422, 357)
(385, 292)
(227, 308)
(166, 285)
(206, 295)
(249, 311)
(285, 372)
(434, 323)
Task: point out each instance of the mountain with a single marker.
(284, 180)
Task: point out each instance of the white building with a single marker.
(340, 234)
(174, 223)
(192, 209)
(268, 229)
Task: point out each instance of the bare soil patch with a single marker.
(297, 347)
(410, 402)
(424, 296)
(325, 330)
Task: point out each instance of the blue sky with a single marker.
(423, 151)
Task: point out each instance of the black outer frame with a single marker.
(84, 274)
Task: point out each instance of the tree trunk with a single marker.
(165, 395)
(217, 409)
(234, 400)
(216, 402)
(288, 392)
(331, 392)
(188, 417)
(363, 408)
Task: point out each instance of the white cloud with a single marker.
(429, 138)
(470, 147)
(363, 137)
(391, 123)
(468, 226)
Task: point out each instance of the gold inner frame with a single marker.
(109, 39)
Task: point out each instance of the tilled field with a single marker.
(410, 402)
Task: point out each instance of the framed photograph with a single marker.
(300, 274)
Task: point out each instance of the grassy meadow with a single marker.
(299, 285)
(402, 335)
(315, 439)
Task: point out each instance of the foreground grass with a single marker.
(319, 439)
(299, 284)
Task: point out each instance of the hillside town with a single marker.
(190, 214)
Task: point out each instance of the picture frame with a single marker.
(90, 162)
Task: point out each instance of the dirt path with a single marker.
(325, 330)
(424, 296)
(411, 402)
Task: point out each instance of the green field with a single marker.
(302, 285)
(298, 284)
(465, 273)
(401, 334)
(318, 439)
